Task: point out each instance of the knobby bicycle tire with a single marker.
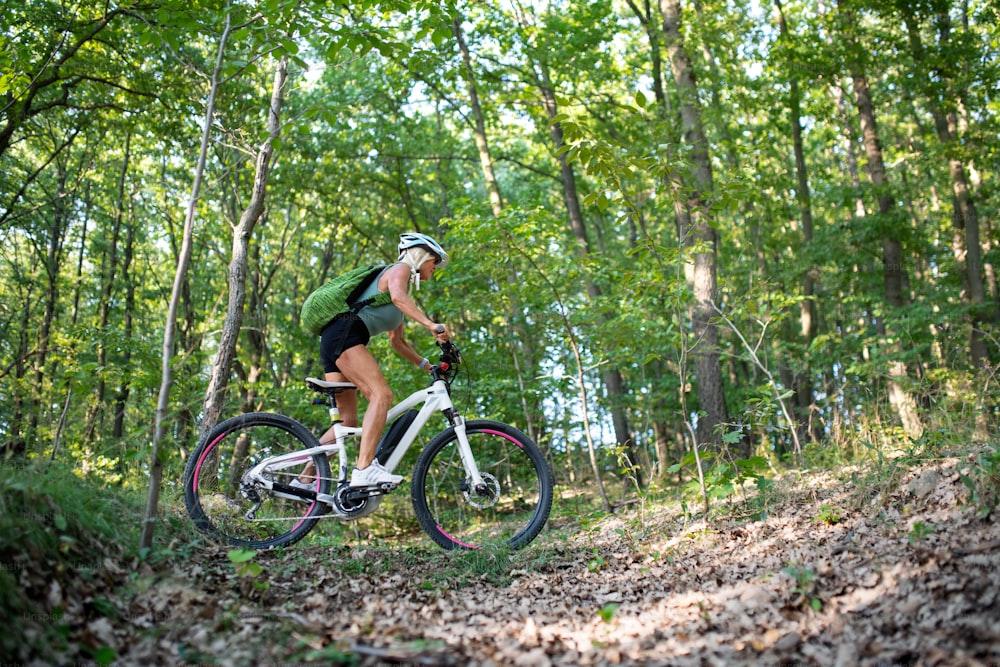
(511, 510)
(212, 482)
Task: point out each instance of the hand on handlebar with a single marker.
(441, 333)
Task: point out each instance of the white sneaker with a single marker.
(305, 486)
(374, 475)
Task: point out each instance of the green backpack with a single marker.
(339, 296)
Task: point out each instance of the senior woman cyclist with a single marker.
(346, 357)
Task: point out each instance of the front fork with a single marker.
(473, 475)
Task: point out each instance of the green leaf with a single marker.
(241, 555)
(608, 611)
(441, 35)
(105, 655)
(732, 437)
(105, 607)
(249, 570)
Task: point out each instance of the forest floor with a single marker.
(894, 570)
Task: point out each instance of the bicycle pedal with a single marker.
(386, 487)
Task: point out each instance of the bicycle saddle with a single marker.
(324, 387)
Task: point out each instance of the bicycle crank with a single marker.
(356, 503)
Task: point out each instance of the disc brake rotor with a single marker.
(485, 496)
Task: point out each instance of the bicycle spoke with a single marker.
(225, 505)
(509, 508)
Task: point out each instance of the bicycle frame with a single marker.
(435, 398)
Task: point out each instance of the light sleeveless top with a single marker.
(382, 318)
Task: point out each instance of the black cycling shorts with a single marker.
(343, 333)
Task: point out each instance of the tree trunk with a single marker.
(256, 339)
(696, 233)
(95, 417)
(74, 317)
(903, 403)
(479, 130)
(522, 348)
(661, 430)
(121, 396)
(645, 16)
(967, 247)
(614, 384)
(242, 233)
(21, 401)
(184, 258)
(52, 264)
(801, 382)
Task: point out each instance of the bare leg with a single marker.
(347, 404)
(361, 369)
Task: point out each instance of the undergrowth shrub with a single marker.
(55, 528)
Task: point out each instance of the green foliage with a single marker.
(723, 478)
(247, 569)
(983, 482)
(607, 612)
(829, 515)
(919, 531)
(56, 526)
(242, 560)
(334, 653)
(595, 564)
(466, 568)
(805, 582)
(376, 140)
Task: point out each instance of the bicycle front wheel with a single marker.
(509, 509)
(228, 507)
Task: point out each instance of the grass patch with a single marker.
(55, 528)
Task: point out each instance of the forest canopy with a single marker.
(739, 229)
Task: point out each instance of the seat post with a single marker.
(334, 410)
(330, 390)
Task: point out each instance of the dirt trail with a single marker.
(828, 578)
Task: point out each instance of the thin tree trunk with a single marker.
(966, 246)
(74, 317)
(614, 384)
(95, 415)
(52, 266)
(121, 396)
(903, 403)
(242, 233)
(522, 346)
(645, 15)
(256, 339)
(653, 34)
(184, 258)
(807, 309)
(479, 129)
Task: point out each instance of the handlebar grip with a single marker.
(440, 328)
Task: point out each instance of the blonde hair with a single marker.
(415, 258)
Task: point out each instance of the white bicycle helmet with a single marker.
(417, 240)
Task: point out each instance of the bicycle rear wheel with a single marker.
(225, 507)
(510, 510)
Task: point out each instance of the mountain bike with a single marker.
(477, 483)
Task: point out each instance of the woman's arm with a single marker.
(404, 349)
(397, 280)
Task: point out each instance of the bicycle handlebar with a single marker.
(449, 361)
